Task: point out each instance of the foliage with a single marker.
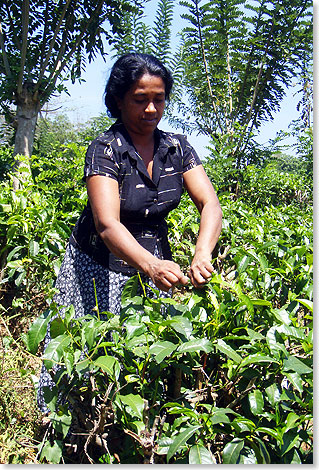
(219, 375)
(94, 127)
(44, 43)
(231, 70)
(56, 132)
(58, 37)
(6, 161)
(52, 133)
(222, 377)
(271, 183)
(238, 58)
(137, 36)
(20, 419)
(36, 220)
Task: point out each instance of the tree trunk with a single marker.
(28, 107)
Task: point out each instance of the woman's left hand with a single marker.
(201, 270)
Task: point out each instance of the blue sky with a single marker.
(86, 99)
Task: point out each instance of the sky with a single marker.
(86, 99)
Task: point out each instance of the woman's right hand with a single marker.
(166, 274)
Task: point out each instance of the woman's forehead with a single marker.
(148, 82)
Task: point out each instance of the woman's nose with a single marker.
(150, 107)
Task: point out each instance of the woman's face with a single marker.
(143, 105)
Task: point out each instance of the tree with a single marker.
(238, 59)
(235, 60)
(137, 36)
(43, 43)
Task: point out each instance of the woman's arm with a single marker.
(203, 194)
(103, 193)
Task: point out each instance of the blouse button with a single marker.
(155, 200)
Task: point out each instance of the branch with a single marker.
(15, 38)
(25, 26)
(44, 36)
(205, 65)
(229, 92)
(260, 12)
(4, 54)
(56, 32)
(57, 69)
(256, 89)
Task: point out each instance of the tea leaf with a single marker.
(232, 450)
(162, 349)
(199, 455)
(180, 440)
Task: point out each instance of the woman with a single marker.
(135, 175)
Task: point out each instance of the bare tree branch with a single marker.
(57, 69)
(56, 32)
(4, 54)
(206, 66)
(25, 27)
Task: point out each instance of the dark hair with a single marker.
(126, 71)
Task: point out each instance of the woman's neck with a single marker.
(142, 140)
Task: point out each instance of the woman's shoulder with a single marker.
(105, 137)
(109, 142)
(176, 139)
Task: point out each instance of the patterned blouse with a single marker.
(145, 201)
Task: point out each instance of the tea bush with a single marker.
(224, 376)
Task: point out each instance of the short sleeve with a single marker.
(100, 160)
(190, 157)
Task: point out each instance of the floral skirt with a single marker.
(75, 285)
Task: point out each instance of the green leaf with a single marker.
(52, 453)
(218, 417)
(130, 289)
(89, 333)
(242, 263)
(199, 455)
(256, 402)
(282, 315)
(162, 349)
(54, 350)
(134, 404)
(68, 357)
(257, 358)
(232, 450)
(57, 327)
(292, 331)
(243, 425)
(61, 422)
(50, 396)
(110, 365)
(273, 394)
(226, 349)
(275, 341)
(271, 432)
(296, 365)
(290, 440)
(181, 440)
(291, 421)
(34, 248)
(296, 381)
(261, 302)
(134, 328)
(306, 303)
(195, 345)
(264, 457)
(181, 325)
(37, 331)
